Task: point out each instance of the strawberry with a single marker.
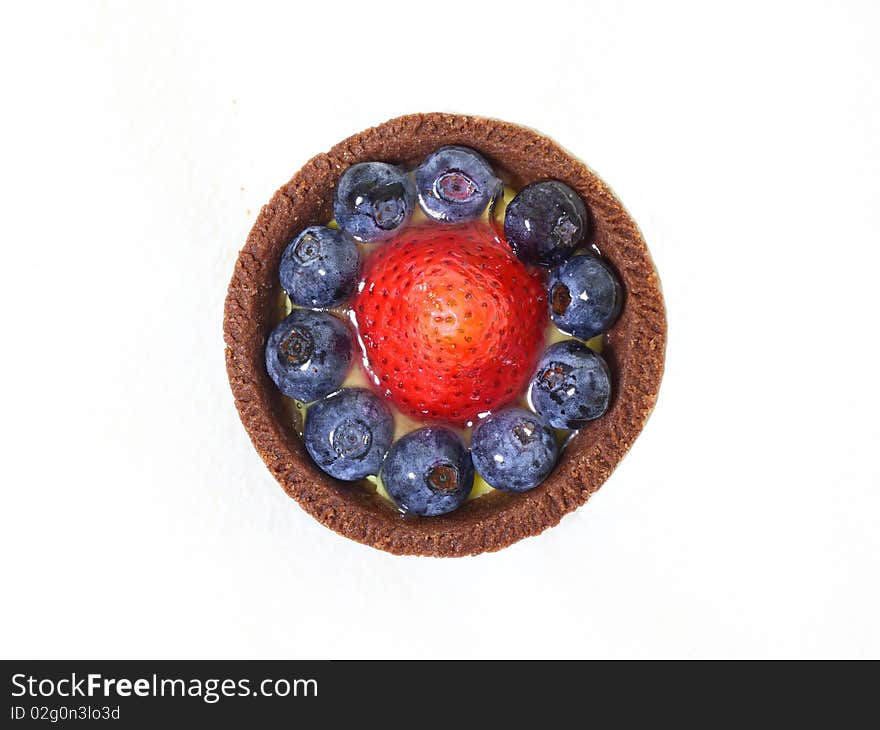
(450, 322)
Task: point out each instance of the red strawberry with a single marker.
(450, 321)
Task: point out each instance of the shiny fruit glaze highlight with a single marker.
(450, 322)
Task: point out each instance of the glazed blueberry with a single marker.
(572, 385)
(308, 354)
(584, 296)
(319, 268)
(545, 223)
(349, 433)
(455, 184)
(514, 449)
(428, 472)
(373, 200)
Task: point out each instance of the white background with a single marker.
(139, 142)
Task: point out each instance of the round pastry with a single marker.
(468, 232)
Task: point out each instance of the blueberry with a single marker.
(308, 354)
(545, 223)
(428, 472)
(373, 200)
(455, 185)
(349, 433)
(319, 268)
(572, 385)
(514, 449)
(584, 297)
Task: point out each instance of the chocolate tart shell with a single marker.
(634, 350)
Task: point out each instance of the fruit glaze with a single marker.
(442, 335)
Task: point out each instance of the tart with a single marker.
(632, 346)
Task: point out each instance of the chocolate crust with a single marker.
(635, 345)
